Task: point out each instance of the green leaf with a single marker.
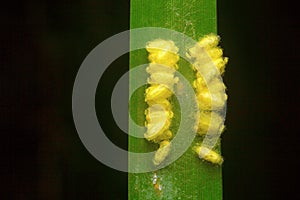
(188, 177)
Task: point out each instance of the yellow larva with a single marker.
(163, 59)
(208, 155)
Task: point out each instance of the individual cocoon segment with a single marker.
(212, 98)
(163, 52)
(162, 152)
(157, 92)
(208, 155)
(209, 120)
(163, 59)
(158, 120)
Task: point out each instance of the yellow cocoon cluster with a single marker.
(211, 98)
(209, 43)
(163, 59)
(210, 92)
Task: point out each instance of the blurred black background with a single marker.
(42, 46)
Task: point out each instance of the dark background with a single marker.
(42, 46)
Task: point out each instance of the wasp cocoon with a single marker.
(157, 92)
(166, 79)
(209, 120)
(215, 53)
(163, 52)
(209, 41)
(211, 101)
(154, 115)
(213, 98)
(162, 152)
(220, 64)
(158, 120)
(208, 155)
(164, 103)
